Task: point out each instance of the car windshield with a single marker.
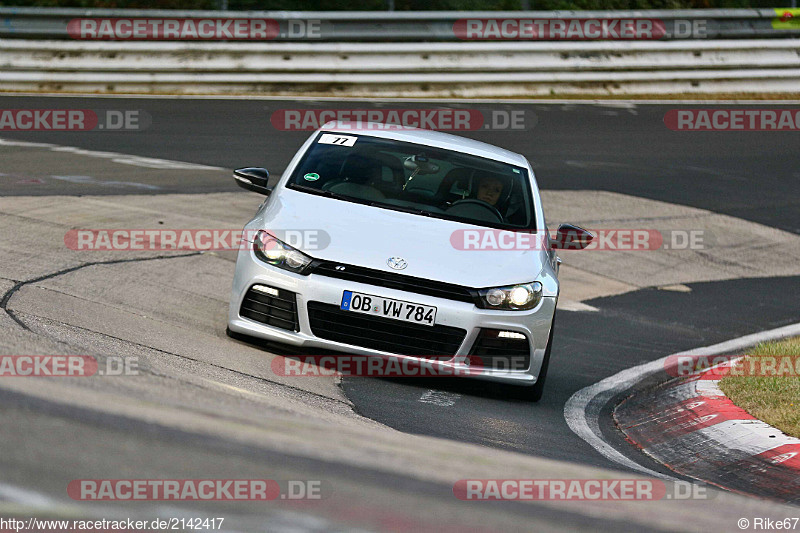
(417, 179)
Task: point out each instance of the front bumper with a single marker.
(534, 324)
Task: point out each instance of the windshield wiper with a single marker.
(329, 194)
(338, 196)
(404, 209)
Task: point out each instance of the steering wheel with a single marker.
(481, 203)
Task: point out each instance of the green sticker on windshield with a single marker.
(311, 176)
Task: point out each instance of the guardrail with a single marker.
(40, 23)
(469, 69)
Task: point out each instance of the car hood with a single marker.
(368, 236)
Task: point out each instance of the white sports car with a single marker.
(435, 249)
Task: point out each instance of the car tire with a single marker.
(534, 394)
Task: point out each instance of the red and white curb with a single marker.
(694, 429)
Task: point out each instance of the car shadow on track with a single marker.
(460, 385)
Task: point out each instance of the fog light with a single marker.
(510, 335)
(265, 290)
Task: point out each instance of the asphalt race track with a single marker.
(750, 178)
(627, 149)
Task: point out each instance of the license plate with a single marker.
(388, 308)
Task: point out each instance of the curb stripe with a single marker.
(582, 410)
(696, 430)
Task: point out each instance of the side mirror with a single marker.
(253, 179)
(569, 237)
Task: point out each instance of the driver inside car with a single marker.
(489, 190)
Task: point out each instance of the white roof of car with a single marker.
(426, 137)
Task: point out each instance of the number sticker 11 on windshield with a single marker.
(339, 140)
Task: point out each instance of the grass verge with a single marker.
(773, 399)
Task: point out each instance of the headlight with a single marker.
(515, 297)
(278, 253)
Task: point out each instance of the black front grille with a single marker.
(502, 353)
(394, 281)
(274, 310)
(384, 334)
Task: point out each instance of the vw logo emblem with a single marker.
(397, 263)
